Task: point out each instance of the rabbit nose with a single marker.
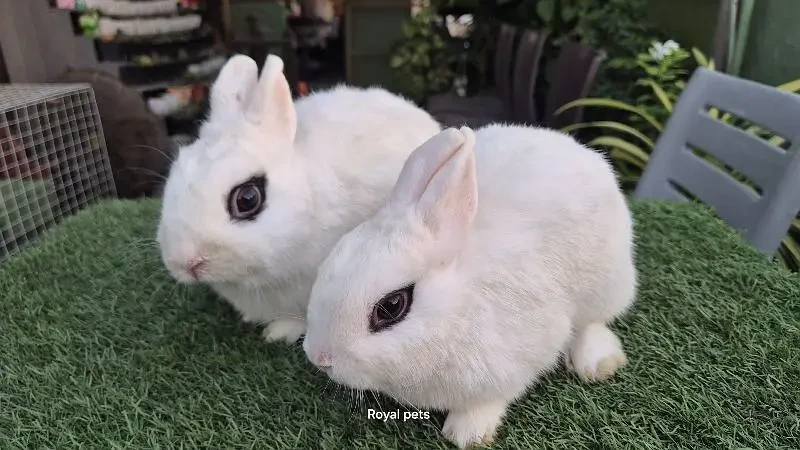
(195, 265)
(322, 360)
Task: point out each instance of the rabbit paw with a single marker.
(473, 427)
(596, 354)
(289, 330)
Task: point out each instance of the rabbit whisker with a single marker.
(150, 147)
(148, 171)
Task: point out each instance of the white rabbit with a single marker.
(256, 203)
(445, 304)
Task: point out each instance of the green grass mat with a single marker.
(99, 348)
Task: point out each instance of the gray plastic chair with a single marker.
(763, 219)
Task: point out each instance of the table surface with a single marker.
(100, 347)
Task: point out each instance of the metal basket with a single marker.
(53, 159)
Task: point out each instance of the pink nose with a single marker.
(194, 266)
(322, 360)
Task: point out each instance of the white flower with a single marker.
(660, 51)
(459, 28)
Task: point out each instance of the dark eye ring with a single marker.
(246, 200)
(391, 309)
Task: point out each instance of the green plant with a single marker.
(666, 74)
(662, 77)
(421, 61)
(739, 23)
(630, 143)
(618, 27)
(431, 59)
(563, 17)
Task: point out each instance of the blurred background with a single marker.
(607, 71)
(150, 62)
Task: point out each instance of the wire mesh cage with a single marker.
(53, 159)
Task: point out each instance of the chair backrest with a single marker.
(573, 77)
(674, 167)
(526, 72)
(504, 56)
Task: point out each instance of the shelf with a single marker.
(133, 74)
(126, 49)
(179, 12)
(164, 85)
(203, 32)
(156, 62)
(80, 10)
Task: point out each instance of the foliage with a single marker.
(562, 17)
(662, 78)
(630, 143)
(740, 14)
(421, 61)
(429, 59)
(666, 74)
(619, 27)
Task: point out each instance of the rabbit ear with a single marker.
(440, 183)
(422, 164)
(233, 85)
(271, 103)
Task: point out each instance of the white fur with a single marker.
(514, 248)
(330, 160)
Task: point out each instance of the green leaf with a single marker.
(652, 71)
(777, 141)
(792, 86)
(546, 10)
(758, 131)
(659, 91)
(632, 150)
(792, 248)
(621, 127)
(615, 104)
(726, 118)
(699, 57)
(568, 13)
(623, 159)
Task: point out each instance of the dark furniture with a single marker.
(519, 106)
(572, 78)
(492, 103)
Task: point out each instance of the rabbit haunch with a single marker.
(519, 247)
(327, 161)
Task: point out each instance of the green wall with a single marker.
(689, 22)
(773, 50)
(772, 55)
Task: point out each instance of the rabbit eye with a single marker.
(391, 309)
(247, 199)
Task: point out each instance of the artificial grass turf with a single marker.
(99, 348)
